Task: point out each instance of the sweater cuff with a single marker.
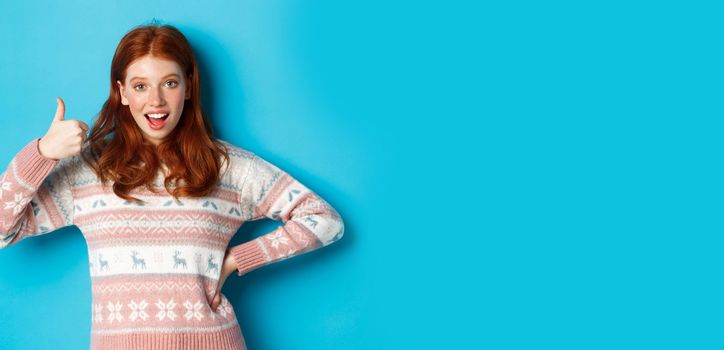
(32, 166)
(248, 256)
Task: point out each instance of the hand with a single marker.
(227, 268)
(64, 137)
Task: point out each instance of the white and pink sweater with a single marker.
(155, 266)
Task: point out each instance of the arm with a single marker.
(35, 196)
(309, 222)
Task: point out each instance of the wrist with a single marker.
(40, 140)
(229, 261)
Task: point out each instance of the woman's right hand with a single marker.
(65, 138)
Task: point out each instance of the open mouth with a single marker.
(156, 116)
(156, 121)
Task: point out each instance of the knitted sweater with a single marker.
(155, 266)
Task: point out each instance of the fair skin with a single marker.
(64, 138)
(154, 85)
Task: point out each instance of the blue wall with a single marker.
(528, 175)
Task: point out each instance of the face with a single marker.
(154, 87)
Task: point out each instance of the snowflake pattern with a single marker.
(288, 254)
(18, 203)
(166, 310)
(98, 313)
(277, 238)
(193, 310)
(115, 312)
(225, 307)
(4, 185)
(137, 310)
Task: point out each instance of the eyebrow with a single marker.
(166, 76)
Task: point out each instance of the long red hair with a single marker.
(116, 149)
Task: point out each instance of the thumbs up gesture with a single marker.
(64, 138)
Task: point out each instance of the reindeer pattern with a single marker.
(155, 260)
(137, 261)
(178, 261)
(212, 265)
(103, 263)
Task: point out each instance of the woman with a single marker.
(158, 199)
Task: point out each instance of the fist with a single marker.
(64, 138)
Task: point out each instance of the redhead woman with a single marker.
(158, 199)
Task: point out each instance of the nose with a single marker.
(156, 97)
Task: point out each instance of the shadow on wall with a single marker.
(223, 75)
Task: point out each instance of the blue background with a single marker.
(512, 176)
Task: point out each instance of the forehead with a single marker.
(149, 67)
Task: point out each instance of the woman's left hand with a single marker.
(227, 268)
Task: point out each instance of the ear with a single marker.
(124, 100)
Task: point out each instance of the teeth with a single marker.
(156, 115)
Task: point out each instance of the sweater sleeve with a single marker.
(35, 196)
(309, 222)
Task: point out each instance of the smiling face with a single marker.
(154, 87)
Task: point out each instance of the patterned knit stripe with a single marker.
(156, 216)
(18, 212)
(305, 196)
(183, 284)
(236, 151)
(164, 227)
(289, 240)
(226, 207)
(166, 238)
(157, 301)
(90, 189)
(164, 309)
(315, 215)
(142, 260)
(158, 227)
(276, 195)
(32, 194)
(48, 206)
